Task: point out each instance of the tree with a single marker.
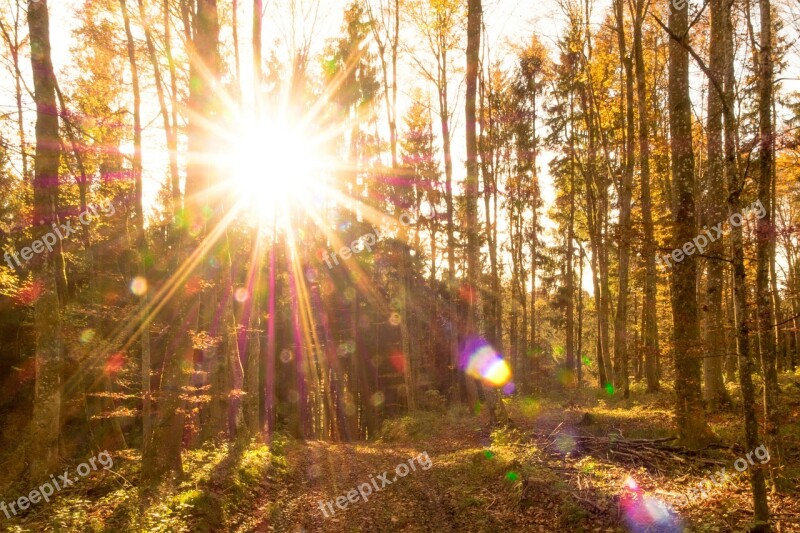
(141, 243)
(437, 22)
(649, 322)
(13, 40)
(715, 393)
(692, 427)
(384, 20)
(625, 193)
(162, 452)
(765, 233)
(46, 419)
(474, 17)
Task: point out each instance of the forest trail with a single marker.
(560, 465)
(583, 463)
(476, 481)
(326, 471)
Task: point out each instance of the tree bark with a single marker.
(626, 191)
(765, 246)
(746, 363)
(691, 419)
(474, 13)
(716, 394)
(43, 452)
(649, 322)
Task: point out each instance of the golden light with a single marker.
(274, 165)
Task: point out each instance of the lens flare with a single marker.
(480, 360)
(645, 513)
(241, 295)
(139, 286)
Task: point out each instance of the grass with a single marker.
(221, 483)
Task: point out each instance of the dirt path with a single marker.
(555, 468)
(465, 488)
(322, 471)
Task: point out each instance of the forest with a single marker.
(400, 265)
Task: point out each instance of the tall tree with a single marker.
(474, 17)
(649, 321)
(46, 418)
(715, 393)
(765, 233)
(141, 246)
(162, 452)
(438, 23)
(691, 418)
(384, 20)
(625, 194)
(169, 127)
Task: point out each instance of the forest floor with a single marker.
(575, 461)
(574, 465)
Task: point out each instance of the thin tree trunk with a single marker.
(746, 362)
(172, 139)
(257, 52)
(716, 394)
(626, 191)
(14, 48)
(649, 321)
(474, 13)
(580, 316)
(765, 247)
(535, 352)
(162, 101)
(141, 245)
(569, 253)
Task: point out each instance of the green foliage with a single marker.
(415, 427)
(433, 400)
(504, 436)
(221, 483)
(572, 516)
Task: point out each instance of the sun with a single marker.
(274, 166)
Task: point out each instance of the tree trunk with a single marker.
(569, 253)
(649, 321)
(14, 45)
(162, 454)
(43, 452)
(257, 70)
(746, 363)
(172, 139)
(626, 191)
(715, 393)
(471, 185)
(765, 247)
(141, 245)
(162, 101)
(691, 420)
